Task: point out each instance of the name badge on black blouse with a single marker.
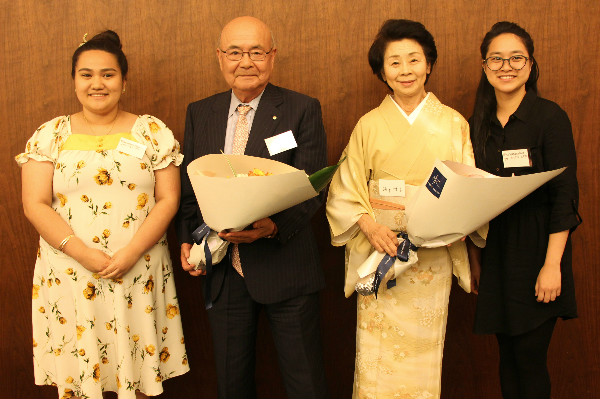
(516, 158)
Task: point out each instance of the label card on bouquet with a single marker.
(131, 147)
(392, 188)
(436, 182)
(281, 142)
(516, 158)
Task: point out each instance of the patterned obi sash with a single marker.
(389, 210)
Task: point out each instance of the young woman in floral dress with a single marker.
(101, 186)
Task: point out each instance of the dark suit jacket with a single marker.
(288, 265)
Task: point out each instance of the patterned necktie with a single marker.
(240, 139)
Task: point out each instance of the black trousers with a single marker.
(523, 363)
(295, 327)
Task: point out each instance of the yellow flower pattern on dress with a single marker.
(164, 354)
(80, 331)
(90, 291)
(103, 177)
(97, 192)
(62, 199)
(154, 128)
(35, 291)
(142, 200)
(96, 372)
(172, 311)
(150, 349)
(149, 286)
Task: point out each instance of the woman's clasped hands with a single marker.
(381, 237)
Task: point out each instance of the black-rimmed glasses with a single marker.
(234, 54)
(516, 62)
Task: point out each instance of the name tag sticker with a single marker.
(131, 147)
(436, 182)
(392, 188)
(516, 158)
(281, 142)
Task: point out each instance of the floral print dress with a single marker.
(92, 334)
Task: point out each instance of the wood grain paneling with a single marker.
(322, 51)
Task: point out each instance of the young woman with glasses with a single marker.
(526, 280)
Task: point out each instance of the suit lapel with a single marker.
(265, 122)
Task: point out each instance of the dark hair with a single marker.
(397, 29)
(106, 41)
(485, 99)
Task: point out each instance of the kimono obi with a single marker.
(389, 210)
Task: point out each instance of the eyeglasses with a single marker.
(516, 62)
(234, 54)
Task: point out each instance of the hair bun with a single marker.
(108, 35)
(107, 41)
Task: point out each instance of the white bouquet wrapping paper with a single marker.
(232, 203)
(455, 201)
(458, 199)
(229, 199)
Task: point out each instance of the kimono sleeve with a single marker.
(348, 197)
(162, 147)
(45, 143)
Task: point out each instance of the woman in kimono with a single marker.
(526, 276)
(400, 334)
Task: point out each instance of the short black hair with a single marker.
(106, 41)
(397, 29)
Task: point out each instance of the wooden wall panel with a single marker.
(322, 51)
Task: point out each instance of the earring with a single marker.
(123, 90)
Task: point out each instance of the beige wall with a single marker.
(322, 47)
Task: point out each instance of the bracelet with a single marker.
(65, 241)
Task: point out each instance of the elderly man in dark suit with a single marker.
(273, 264)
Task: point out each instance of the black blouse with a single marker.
(518, 238)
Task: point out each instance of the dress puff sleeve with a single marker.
(46, 142)
(161, 146)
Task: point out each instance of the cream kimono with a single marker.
(400, 335)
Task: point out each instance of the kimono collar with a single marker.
(389, 106)
(415, 113)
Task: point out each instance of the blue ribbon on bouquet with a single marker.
(198, 235)
(403, 253)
